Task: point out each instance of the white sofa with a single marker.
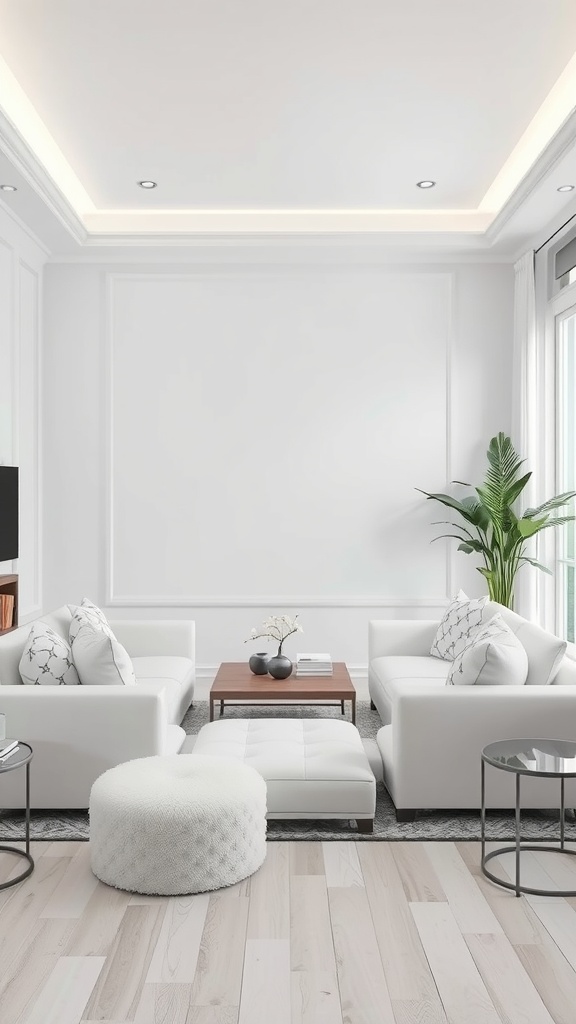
(433, 734)
(78, 732)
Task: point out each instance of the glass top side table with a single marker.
(551, 759)
(20, 758)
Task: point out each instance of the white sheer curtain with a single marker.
(525, 434)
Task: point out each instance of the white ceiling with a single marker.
(286, 115)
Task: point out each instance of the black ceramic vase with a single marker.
(258, 663)
(280, 667)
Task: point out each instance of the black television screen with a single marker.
(8, 513)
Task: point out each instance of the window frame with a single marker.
(560, 307)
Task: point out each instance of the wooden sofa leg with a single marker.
(402, 816)
(372, 706)
(365, 825)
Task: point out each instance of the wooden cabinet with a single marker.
(9, 587)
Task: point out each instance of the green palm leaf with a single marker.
(500, 487)
(537, 565)
(558, 521)
(528, 527)
(547, 506)
(477, 511)
(493, 529)
(450, 502)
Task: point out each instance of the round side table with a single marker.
(547, 759)
(19, 759)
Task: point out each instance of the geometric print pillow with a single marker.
(493, 656)
(89, 613)
(47, 659)
(461, 619)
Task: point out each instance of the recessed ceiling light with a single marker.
(8, 188)
(565, 188)
(147, 184)
(425, 184)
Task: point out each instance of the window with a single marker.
(567, 278)
(566, 465)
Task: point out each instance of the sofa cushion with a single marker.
(100, 660)
(11, 650)
(47, 659)
(545, 651)
(566, 674)
(58, 620)
(174, 675)
(462, 616)
(493, 656)
(162, 666)
(393, 670)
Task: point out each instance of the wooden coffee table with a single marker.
(235, 683)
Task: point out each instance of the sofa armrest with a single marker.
(438, 734)
(147, 639)
(400, 636)
(130, 720)
(78, 732)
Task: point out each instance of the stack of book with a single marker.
(313, 665)
(6, 610)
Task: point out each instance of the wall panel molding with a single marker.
(9, 356)
(20, 397)
(275, 601)
(115, 598)
(28, 400)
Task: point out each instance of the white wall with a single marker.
(222, 442)
(21, 263)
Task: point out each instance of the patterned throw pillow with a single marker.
(100, 659)
(461, 618)
(47, 659)
(87, 612)
(493, 656)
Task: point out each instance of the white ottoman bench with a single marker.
(174, 825)
(314, 768)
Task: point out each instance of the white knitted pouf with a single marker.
(173, 825)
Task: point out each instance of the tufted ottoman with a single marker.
(314, 768)
(173, 825)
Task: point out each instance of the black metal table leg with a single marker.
(25, 854)
(517, 817)
(489, 755)
(482, 809)
(562, 814)
(28, 808)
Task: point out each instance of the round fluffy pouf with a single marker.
(173, 825)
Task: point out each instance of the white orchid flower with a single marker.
(277, 628)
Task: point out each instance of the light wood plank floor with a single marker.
(335, 933)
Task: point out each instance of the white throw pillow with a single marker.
(91, 613)
(493, 656)
(100, 659)
(462, 617)
(545, 651)
(47, 659)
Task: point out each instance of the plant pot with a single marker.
(258, 663)
(280, 667)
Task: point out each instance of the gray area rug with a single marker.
(429, 824)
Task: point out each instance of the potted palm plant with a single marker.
(493, 527)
